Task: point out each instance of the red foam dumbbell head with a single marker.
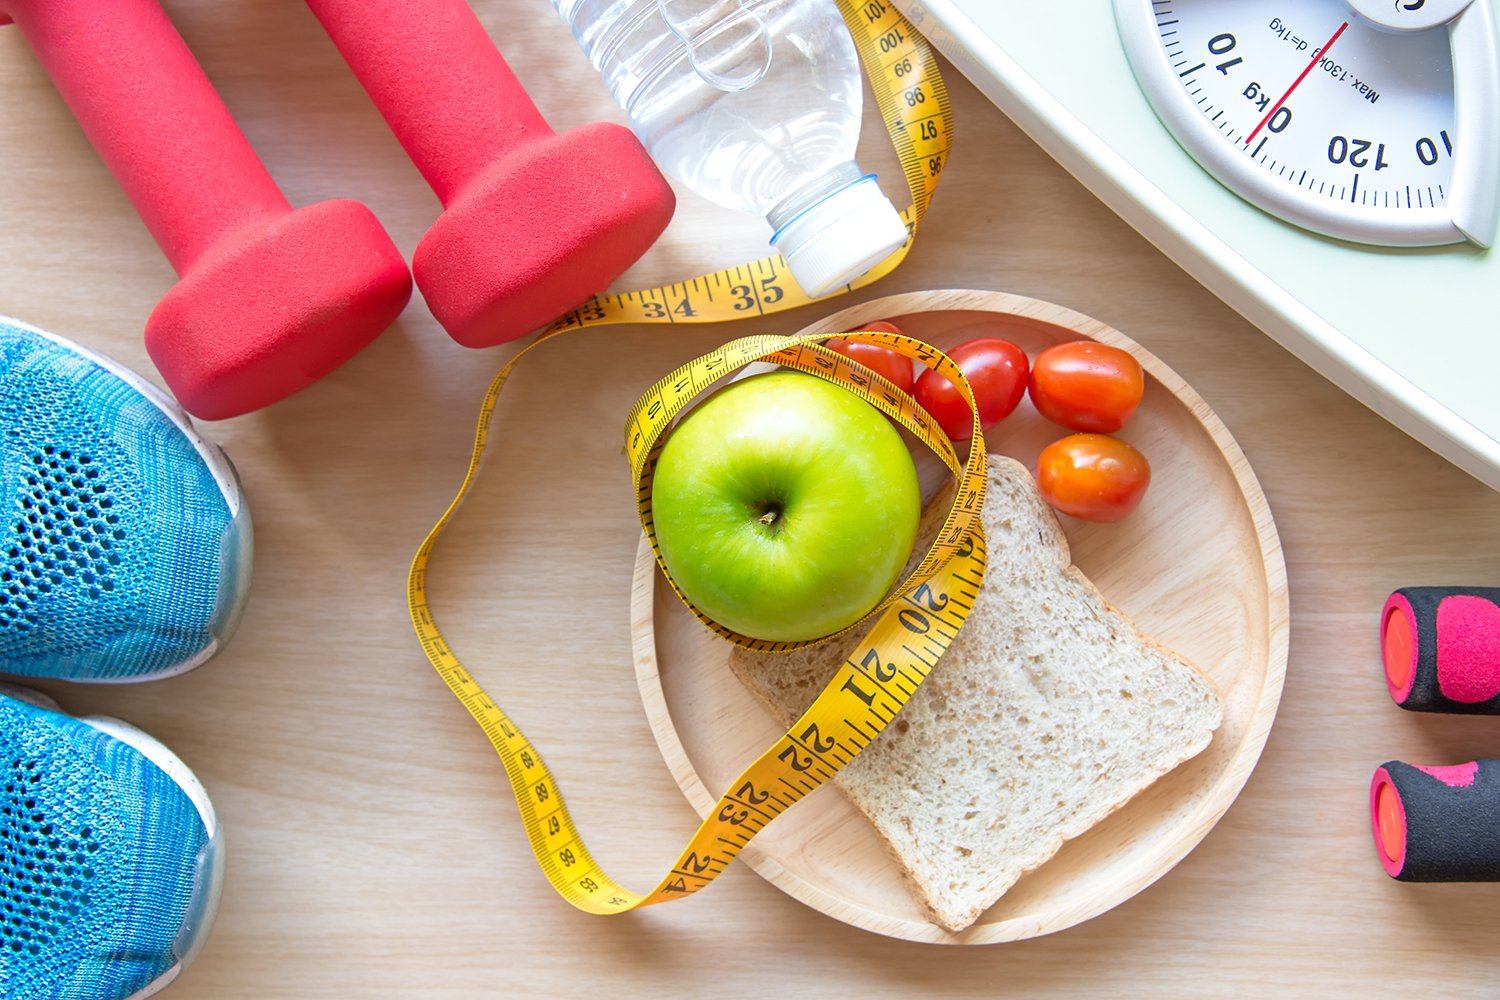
(539, 232)
(263, 316)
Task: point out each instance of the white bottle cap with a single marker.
(841, 237)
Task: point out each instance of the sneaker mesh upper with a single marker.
(97, 852)
(110, 522)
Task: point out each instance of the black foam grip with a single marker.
(1452, 830)
(1427, 693)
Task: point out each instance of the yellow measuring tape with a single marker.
(913, 102)
(915, 623)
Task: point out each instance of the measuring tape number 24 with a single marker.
(913, 625)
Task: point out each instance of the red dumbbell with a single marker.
(534, 222)
(270, 299)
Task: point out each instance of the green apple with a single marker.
(785, 506)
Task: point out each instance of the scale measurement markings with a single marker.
(1402, 134)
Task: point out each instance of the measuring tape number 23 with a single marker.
(913, 625)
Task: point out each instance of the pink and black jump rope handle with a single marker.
(1437, 824)
(1441, 649)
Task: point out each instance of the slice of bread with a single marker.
(1049, 712)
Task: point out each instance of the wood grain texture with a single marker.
(374, 850)
(1198, 565)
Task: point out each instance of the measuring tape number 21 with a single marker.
(872, 686)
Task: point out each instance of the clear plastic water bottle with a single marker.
(755, 105)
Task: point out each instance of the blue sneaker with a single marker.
(125, 543)
(110, 857)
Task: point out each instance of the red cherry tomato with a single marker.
(996, 370)
(1087, 386)
(895, 367)
(1093, 476)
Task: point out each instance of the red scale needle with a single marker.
(1320, 53)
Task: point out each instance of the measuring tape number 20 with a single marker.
(913, 625)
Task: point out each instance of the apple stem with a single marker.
(768, 517)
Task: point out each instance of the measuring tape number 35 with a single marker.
(913, 625)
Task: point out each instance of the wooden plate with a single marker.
(1198, 566)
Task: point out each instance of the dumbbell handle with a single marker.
(151, 113)
(445, 90)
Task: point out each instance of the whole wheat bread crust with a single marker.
(952, 886)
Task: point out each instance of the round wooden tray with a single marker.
(1198, 566)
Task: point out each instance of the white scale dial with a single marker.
(1385, 133)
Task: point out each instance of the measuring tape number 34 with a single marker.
(914, 624)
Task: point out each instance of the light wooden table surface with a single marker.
(375, 850)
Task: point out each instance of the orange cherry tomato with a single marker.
(1089, 387)
(996, 370)
(896, 368)
(1093, 476)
